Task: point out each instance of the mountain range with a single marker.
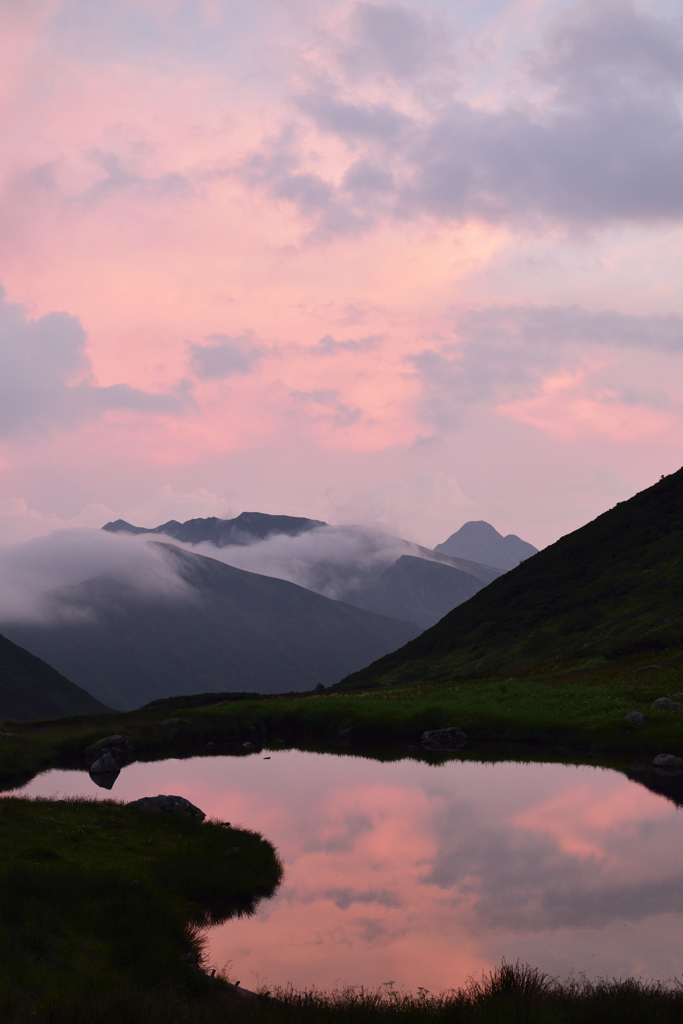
(363, 567)
(228, 630)
(611, 588)
(365, 594)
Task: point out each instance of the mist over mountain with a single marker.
(216, 628)
(480, 542)
(360, 565)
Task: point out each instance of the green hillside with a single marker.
(612, 588)
(30, 688)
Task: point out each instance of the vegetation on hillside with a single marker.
(612, 588)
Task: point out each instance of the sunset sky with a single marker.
(407, 264)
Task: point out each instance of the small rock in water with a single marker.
(171, 721)
(451, 738)
(168, 805)
(118, 746)
(104, 771)
(635, 718)
(666, 704)
(668, 764)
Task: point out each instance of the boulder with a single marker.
(168, 805)
(635, 718)
(121, 749)
(104, 771)
(171, 721)
(451, 738)
(106, 763)
(668, 764)
(665, 704)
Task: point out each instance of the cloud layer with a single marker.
(286, 255)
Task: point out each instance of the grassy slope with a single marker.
(30, 688)
(100, 902)
(614, 586)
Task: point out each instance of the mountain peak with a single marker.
(480, 542)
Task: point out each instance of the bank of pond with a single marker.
(381, 882)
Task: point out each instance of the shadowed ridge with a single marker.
(243, 529)
(30, 688)
(227, 630)
(613, 587)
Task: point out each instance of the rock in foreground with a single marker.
(666, 704)
(168, 805)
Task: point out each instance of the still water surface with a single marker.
(424, 874)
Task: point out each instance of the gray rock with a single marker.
(668, 764)
(171, 721)
(168, 805)
(648, 668)
(106, 763)
(104, 771)
(666, 704)
(451, 738)
(635, 718)
(121, 749)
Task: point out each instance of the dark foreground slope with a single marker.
(31, 689)
(613, 587)
(230, 630)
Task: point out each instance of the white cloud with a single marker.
(425, 508)
(19, 522)
(30, 571)
(166, 504)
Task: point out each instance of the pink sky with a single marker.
(408, 264)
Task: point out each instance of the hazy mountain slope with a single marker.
(615, 585)
(480, 542)
(244, 529)
(237, 631)
(31, 689)
(417, 590)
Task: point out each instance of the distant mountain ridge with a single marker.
(414, 584)
(611, 588)
(232, 630)
(480, 542)
(243, 529)
(29, 688)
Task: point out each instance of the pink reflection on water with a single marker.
(425, 874)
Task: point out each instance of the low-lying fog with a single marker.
(330, 560)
